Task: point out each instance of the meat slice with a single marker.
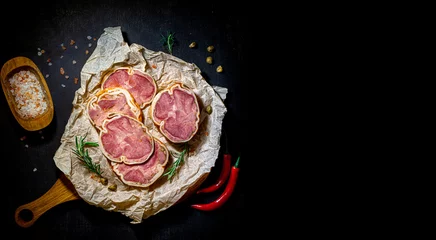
(177, 113)
(110, 101)
(124, 139)
(141, 85)
(145, 174)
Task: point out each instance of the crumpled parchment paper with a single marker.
(140, 203)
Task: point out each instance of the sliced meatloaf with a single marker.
(177, 113)
(145, 174)
(111, 101)
(124, 139)
(141, 85)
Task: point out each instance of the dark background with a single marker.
(46, 25)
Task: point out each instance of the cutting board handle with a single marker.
(62, 191)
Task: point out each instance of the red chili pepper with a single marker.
(224, 175)
(226, 193)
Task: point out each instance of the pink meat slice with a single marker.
(145, 174)
(110, 102)
(126, 140)
(177, 112)
(141, 85)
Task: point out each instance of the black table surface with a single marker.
(29, 168)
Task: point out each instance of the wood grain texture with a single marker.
(62, 191)
(24, 63)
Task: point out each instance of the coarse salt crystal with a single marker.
(89, 37)
(28, 94)
(34, 170)
(74, 61)
(26, 146)
(39, 53)
(50, 63)
(66, 76)
(89, 44)
(63, 85)
(75, 47)
(47, 75)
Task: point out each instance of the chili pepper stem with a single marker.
(237, 163)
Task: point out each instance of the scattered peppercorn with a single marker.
(219, 68)
(210, 48)
(209, 109)
(209, 60)
(193, 45)
(113, 187)
(103, 180)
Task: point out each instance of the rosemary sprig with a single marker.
(83, 154)
(176, 164)
(168, 41)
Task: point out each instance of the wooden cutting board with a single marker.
(62, 191)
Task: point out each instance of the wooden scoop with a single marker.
(62, 191)
(13, 66)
